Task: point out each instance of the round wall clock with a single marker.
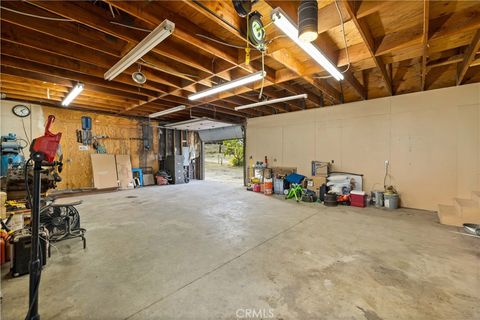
(21, 110)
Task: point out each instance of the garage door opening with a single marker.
(222, 149)
(224, 161)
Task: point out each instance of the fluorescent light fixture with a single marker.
(164, 112)
(72, 94)
(283, 22)
(228, 85)
(196, 124)
(262, 103)
(148, 43)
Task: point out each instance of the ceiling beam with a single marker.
(367, 37)
(185, 30)
(323, 43)
(92, 17)
(426, 18)
(70, 31)
(88, 41)
(29, 74)
(469, 55)
(87, 69)
(72, 75)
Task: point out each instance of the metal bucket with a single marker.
(391, 200)
(378, 198)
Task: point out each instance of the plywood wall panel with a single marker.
(327, 148)
(124, 138)
(267, 142)
(468, 146)
(298, 144)
(431, 140)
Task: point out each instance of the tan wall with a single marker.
(432, 140)
(77, 173)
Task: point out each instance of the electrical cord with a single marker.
(220, 42)
(344, 40)
(344, 36)
(263, 78)
(275, 38)
(36, 16)
(27, 187)
(385, 177)
(179, 73)
(25, 131)
(131, 27)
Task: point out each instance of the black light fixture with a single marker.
(243, 7)
(308, 20)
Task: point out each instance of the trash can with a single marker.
(391, 200)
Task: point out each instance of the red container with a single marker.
(268, 188)
(48, 143)
(256, 187)
(358, 199)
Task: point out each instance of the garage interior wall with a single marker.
(431, 139)
(124, 138)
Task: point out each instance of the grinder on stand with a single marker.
(43, 151)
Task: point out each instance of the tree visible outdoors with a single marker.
(234, 149)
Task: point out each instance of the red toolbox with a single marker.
(358, 199)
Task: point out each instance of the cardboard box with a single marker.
(314, 183)
(282, 171)
(3, 212)
(3, 209)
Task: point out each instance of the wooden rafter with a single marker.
(55, 55)
(469, 55)
(369, 41)
(290, 10)
(426, 18)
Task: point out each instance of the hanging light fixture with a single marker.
(283, 22)
(267, 102)
(229, 85)
(159, 34)
(308, 20)
(72, 94)
(167, 111)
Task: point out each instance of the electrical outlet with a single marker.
(387, 163)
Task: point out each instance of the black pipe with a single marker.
(35, 263)
(308, 20)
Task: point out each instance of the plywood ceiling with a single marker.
(393, 47)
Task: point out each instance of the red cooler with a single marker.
(358, 199)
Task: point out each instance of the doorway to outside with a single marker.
(224, 161)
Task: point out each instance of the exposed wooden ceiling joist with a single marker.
(469, 55)
(389, 44)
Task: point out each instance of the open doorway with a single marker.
(224, 161)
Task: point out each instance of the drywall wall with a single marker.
(431, 139)
(124, 138)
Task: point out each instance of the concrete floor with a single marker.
(208, 250)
